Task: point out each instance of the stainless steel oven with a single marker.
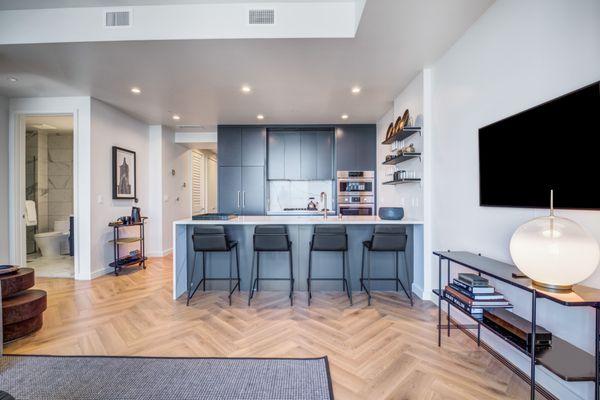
(356, 192)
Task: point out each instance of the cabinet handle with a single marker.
(244, 199)
(238, 206)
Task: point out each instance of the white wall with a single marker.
(176, 198)
(3, 180)
(111, 127)
(517, 55)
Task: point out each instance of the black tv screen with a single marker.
(555, 145)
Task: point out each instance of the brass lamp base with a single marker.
(553, 288)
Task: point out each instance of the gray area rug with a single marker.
(133, 378)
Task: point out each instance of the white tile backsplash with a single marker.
(295, 194)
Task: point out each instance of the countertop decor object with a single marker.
(554, 252)
(8, 269)
(391, 213)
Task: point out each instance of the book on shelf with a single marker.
(473, 280)
(475, 311)
(517, 329)
(477, 303)
(474, 289)
(478, 296)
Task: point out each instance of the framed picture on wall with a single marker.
(124, 173)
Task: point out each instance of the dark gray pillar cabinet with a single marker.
(356, 147)
(241, 157)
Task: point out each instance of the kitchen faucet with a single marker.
(324, 201)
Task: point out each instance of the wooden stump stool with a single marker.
(22, 308)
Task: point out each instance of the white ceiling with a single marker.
(40, 4)
(293, 80)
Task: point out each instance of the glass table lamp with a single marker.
(554, 252)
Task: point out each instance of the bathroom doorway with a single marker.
(49, 195)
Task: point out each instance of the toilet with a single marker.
(52, 244)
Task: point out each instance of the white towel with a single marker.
(30, 213)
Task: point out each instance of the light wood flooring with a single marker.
(386, 351)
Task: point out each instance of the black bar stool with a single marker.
(385, 238)
(212, 239)
(330, 238)
(270, 238)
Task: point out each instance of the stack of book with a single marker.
(473, 294)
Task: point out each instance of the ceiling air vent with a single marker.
(117, 18)
(264, 16)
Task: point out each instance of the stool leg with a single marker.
(204, 271)
(230, 274)
(349, 283)
(362, 269)
(191, 282)
(408, 274)
(257, 270)
(396, 261)
(251, 290)
(369, 261)
(343, 272)
(237, 264)
(309, 276)
(291, 279)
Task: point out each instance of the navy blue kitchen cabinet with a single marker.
(276, 155)
(355, 147)
(230, 190)
(308, 155)
(300, 154)
(324, 155)
(241, 158)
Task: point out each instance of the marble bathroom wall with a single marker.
(60, 176)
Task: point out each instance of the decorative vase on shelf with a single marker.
(554, 252)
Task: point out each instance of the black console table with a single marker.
(563, 359)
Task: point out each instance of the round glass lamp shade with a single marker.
(554, 252)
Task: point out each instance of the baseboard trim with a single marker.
(418, 290)
(539, 389)
(102, 271)
(159, 254)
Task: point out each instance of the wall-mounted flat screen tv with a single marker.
(555, 145)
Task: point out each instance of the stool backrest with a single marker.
(271, 238)
(389, 238)
(210, 238)
(329, 238)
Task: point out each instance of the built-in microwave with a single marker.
(355, 183)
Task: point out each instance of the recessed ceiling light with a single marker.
(12, 79)
(356, 90)
(246, 89)
(344, 116)
(176, 117)
(136, 90)
(260, 116)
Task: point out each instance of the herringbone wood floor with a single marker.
(387, 351)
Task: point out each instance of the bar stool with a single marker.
(212, 239)
(385, 238)
(329, 238)
(270, 238)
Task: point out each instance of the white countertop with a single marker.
(299, 220)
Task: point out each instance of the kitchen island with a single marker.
(241, 229)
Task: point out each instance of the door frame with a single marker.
(80, 109)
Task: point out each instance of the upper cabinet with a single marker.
(300, 155)
(355, 147)
(241, 146)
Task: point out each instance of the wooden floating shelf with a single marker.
(401, 158)
(403, 134)
(412, 180)
(580, 366)
(126, 240)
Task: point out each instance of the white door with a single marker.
(211, 187)
(198, 183)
